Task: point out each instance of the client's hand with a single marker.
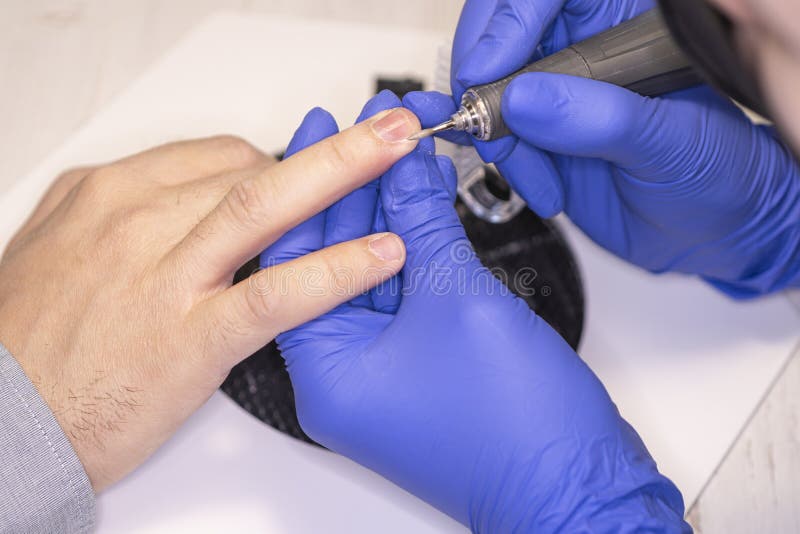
(116, 297)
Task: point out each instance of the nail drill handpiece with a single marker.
(639, 54)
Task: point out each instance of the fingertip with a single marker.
(319, 113)
(322, 119)
(317, 125)
(492, 59)
(431, 107)
(388, 248)
(498, 150)
(549, 206)
(469, 72)
(385, 96)
(380, 102)
(471, 69)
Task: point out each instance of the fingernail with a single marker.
(386, 247)
(395, 126)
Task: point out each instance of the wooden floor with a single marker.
(62, 60)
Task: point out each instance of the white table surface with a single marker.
(62, 60)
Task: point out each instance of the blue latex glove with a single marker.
(681, 183)
(460, 394)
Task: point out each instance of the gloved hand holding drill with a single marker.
(681, 183)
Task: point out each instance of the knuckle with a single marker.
(72, 176)
(237, 151)
(261, 306)
(218, 342)
(226, 332)
(337, 154)
(342, 279)
(99, 182)
(333, 418)
(10, 246)
(249, 204)
(123, 229)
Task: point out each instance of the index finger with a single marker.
(260, 209)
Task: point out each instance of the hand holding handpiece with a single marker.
(452, 387)
(680, 183)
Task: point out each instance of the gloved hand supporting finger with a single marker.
(419, 207)
(317, 125)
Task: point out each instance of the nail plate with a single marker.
(395, 126)
(386, 247)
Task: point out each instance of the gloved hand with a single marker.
(681, 183)
(460, 394)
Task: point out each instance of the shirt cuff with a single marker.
(43, 486)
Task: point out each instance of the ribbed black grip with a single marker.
(639, 54)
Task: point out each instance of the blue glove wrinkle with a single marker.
(449, 176)
(417, 187)
(773, 234)
(541, 188)
(385, 297)
(557, 37)
(431, 107)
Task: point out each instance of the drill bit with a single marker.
(447, 125)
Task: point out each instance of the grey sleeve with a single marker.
(43, 486)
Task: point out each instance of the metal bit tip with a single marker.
(447, 125)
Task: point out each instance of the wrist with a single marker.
(47, 485)
(87, 410)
